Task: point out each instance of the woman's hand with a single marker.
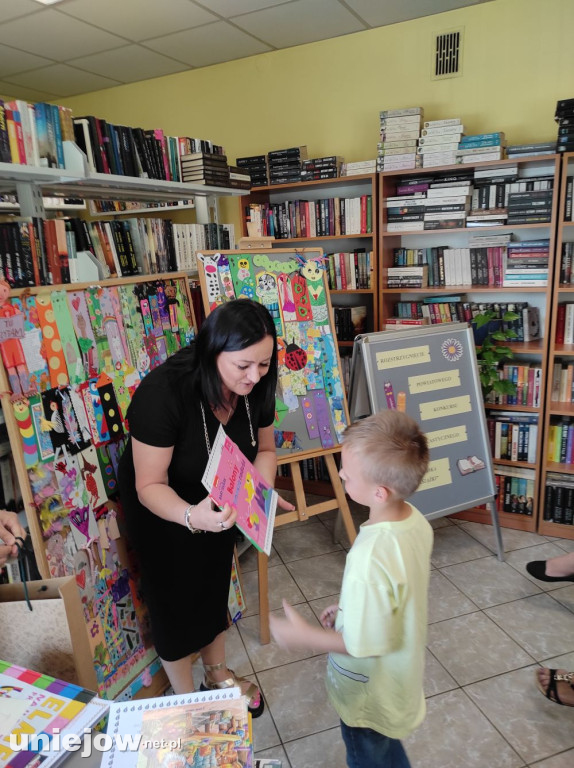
(9, 528)
(284, 504)
(204, 517)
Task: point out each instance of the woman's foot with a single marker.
(219, 676)
(556, 569)
(556, 684)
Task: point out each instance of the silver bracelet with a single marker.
(187, 520)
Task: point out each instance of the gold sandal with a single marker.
(256, 704)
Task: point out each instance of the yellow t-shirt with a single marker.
(383, 620)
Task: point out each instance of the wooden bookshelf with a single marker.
(530, 352)
(343, 186)
(555, 410)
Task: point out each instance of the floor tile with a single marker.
(539, 624)
(511, 539)
(445, 600)
(519, 558)
(566, 544)
(437, 679)
(441, 522)
(291, 545)
(489, 582)
(565, 596)
(452, 545)
(565, 760)
(280, 585)
(319, 576)
(535, 727)
(320, 749)
(472, 647)
(318, 606)
(455, 734)
(248, 560)
(296, 696)
(265, 735)
(271, 655)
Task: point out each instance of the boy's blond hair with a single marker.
(393, 449)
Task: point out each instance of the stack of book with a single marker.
(400, 130)
(532, 206)
(427, 203)
(204, 168)
(256, 167)
(239, 178)
(285, 165)
(407, 277)
(526, 264)
(32, 134)
(559, 498)
(530, 150)
(439, 142)
(490, 196)
(358, 167)
(566, 271)
(564, 116)
(321, 168)
(481, 147)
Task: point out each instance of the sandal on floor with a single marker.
(551, 691)
(256, 705)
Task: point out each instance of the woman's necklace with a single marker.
(207, 442)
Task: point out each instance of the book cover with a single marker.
(44, 711)
(206, 728)
(230, 478)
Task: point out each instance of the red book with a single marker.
(34, 250)
(343, 272)
(363, 214)
(52, 258)
(560, 324)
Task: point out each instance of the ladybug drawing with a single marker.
(295, 357)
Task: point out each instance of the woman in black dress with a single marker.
(227, 376)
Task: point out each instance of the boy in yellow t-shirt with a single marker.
(376, 636)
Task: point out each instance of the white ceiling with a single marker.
(78, 46)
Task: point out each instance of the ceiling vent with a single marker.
(447, 58)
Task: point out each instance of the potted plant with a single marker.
(491, 332)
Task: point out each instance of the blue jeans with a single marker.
(369, 749)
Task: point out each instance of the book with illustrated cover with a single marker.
(43, 711)
(206, 728)
(230, 478)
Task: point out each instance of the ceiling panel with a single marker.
(11, 91)
(62, 80)
(229, 8)
(207, 45)
(12, 9)
(302, 21)
(382, 12)
(12, 60)
(129, 64)
(125, 17)
(56, 36)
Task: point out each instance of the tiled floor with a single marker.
(490, 625)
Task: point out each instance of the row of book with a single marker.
(527, 380)
(350, 321)
(448, 309)
(561, 441)
(559, 498)
(33, 134)
(327, 217)
(515, 490)
(516, 265)
(47, 251)
(513, 436)
(568, 207)
(564, 116)
(564, 333)
(562, 387)
(350, 271)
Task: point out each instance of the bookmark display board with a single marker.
(72, 364)
(431, 374)
(311, 411)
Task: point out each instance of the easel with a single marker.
(303, 511)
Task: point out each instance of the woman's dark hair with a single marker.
(230, 327)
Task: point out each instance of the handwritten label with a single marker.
(12, 327)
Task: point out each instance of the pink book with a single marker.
(230, 478)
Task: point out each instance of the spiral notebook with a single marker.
(202, 728)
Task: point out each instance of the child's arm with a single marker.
(294, 632)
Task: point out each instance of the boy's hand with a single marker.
(292, 631)
(328, 616)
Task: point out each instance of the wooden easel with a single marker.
(303, 511)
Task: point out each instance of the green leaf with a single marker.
(481, 320)
(508, 316)
(499, 335)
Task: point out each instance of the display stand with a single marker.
(263, 275)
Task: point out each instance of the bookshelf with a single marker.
(533, 353)
(328, 189)
(559, 405)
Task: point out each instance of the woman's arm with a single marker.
(266, 459)
(151, 466)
